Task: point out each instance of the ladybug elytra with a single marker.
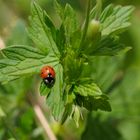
(48, 75)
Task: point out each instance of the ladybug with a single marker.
(48, 76)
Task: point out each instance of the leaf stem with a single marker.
(41, 117)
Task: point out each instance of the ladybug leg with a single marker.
(52, 81)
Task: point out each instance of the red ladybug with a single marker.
(48, 75)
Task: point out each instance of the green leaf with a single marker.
(94, 103)
(40, 33)
(22, 52)
(115, 19)
(89, 95)
(60, 40)
(76, 115)
(70, 98)
(107, 46)
(101, 103)
(76, 40)
(69, 22)
(23, 60)
(88, 90)
(68, 26)
(55, 100)
(49, 24)
(72, 66)
(7, 62)
(44, 90)
(106, 13)
(59, 9)
(67, 112)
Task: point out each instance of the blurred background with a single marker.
(120, 79)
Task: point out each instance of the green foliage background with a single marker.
(118, 76)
